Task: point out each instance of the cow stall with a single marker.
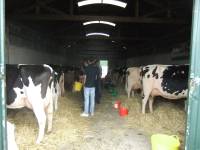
(60, 34)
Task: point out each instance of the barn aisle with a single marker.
(105, 130)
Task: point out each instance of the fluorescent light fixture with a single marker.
(103, 22)
(90, 22)
(88, 2)
(111, 2)
(115, 2)
(108, 23)
(97, 33)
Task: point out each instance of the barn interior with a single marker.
(145, 32)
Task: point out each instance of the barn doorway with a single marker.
(104, 66)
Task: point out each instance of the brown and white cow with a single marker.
(133, 80)
(32, 86)
(168, 81)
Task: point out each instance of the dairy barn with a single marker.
(145, 56)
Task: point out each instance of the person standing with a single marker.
(90, 73)
(98, 83)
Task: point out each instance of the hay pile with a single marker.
(104, 130)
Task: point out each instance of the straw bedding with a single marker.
(106, 130)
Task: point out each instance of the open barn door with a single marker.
(3, 145)
(193, 113)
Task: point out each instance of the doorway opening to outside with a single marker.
(104, 66)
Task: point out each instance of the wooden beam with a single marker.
(72, 38)
(47, 1)
(155, 12)
(167, 9)
(107, 18)
(53, 10)
(26, 9)
(136, 8)
(71, 9)
(37, 8)
(155, 3)
(33, 6)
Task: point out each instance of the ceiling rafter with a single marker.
(162, 10)
(33, 6)
(51, 9)
(107, 18)
(105, 38)
(155, 3)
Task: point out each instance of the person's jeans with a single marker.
(89, 101)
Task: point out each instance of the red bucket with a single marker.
(117, 104)
(123, 111)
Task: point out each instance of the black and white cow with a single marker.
(32, 86)
(168, 81)
(58, 85)
(11, 143)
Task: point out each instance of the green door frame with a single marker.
(193, 112)
(3, 137)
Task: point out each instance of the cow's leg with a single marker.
(129, 89)
(151, 100)
(52, 102)
(56, 103)
(144, 102)
(146, 92)
(49, 114)
(132, 93)
(147, 89)
(55, 100)
(41, 118)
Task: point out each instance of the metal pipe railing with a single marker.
(3, 137)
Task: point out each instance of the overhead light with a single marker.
(102, 22)
(90, 22)
(88, 2)
(108, 23)
(97, 33)
(115, 2)
(111, 2)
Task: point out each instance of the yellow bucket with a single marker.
(165, 142)
(77, 86)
